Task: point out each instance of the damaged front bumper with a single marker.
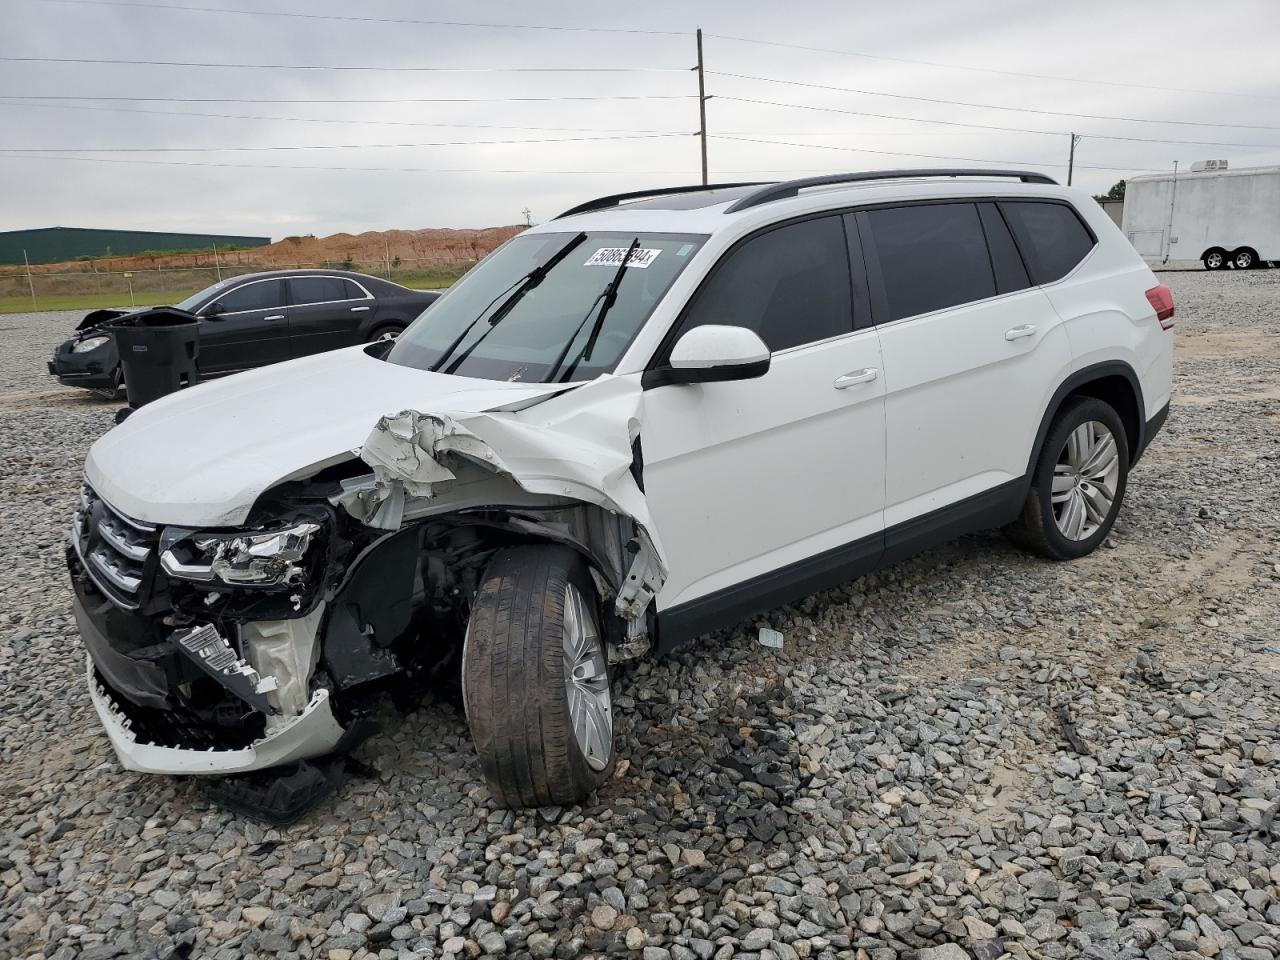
(313, 733)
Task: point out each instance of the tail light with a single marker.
(1161, 300)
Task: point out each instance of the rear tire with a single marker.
(535, 679)
(1078, 483)
(1244, 259)
(1215, 259)
(388, 331)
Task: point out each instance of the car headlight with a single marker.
(262, 559)
(89, 343)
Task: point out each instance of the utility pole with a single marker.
(1071, 157)
(702, 109)
(30, 283)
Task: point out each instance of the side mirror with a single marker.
(713, 353)
(212, 311)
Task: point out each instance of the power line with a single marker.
(331, 66)
(279, 119)
(984, 106)
(341, 146)
(988, 126)
(992, 70)
(362, 101)
(347, 18)
(926, 156)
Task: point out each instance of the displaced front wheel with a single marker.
(535, 679)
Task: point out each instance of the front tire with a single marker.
(111, 393)
(1078, 483)
(535, 679)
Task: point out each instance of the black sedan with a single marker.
(256, 319)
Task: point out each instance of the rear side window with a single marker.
(261, 295)
(1011, 272)
(931, 256)
(1051, 235)
(790, 285)
(323, 290)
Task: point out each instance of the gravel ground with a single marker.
(896, 782)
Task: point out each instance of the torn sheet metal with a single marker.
(577, 448)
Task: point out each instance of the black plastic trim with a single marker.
(1108, 368)
(1154, 426)
(603, 203)
(666, 376)
(791, 188)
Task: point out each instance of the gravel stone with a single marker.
(894, 783)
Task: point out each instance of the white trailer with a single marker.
(1218, 216)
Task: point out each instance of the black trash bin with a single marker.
(158, 350)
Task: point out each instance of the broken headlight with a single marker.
(269, 558)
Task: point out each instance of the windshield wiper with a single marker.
(522, 286)
(609, 295)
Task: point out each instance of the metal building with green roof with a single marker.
(55, 244)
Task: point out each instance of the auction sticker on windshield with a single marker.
(612, 257)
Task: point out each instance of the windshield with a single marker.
(546, 323)
(189, 304)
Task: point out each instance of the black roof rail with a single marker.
(612, 201)
(791, 188)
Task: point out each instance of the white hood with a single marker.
(201, 457)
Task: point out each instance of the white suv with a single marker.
(654, 415)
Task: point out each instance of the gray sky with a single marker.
(1163, 43)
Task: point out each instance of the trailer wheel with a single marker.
(1244, 259)
(535, 679)
(1215, 259)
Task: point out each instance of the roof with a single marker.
(677, 213)
(1187, 173)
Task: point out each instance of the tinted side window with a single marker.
(790, 285)
(931, 256)
(1051, 236)
(352, 291)
(1011, 272)
(319, 289)
(263, 295)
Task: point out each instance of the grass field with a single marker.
(151, 298)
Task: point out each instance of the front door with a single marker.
(248, 326)
(758, 487)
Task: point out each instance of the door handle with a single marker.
(865, 375)
(358, 309)
(275, 316)
(1018, 332)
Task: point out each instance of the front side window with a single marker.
(537, 309)
(1051, 236)
(932, 256)
(260, 295)
(790, 285)
(323, 290)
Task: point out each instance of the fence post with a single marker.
(30, 282)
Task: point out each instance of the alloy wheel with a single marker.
(1243, 260)
(1213, 261)
(1085, 480)
(586, 677)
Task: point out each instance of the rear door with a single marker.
(757, 484)
(327, 313)
(970, 347)
(247, 326)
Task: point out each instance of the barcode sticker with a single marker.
(612, 257)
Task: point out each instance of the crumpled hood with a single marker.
(201, 457)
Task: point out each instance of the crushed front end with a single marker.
(188, 674)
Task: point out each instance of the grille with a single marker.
(116, 550)
(222, 725)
